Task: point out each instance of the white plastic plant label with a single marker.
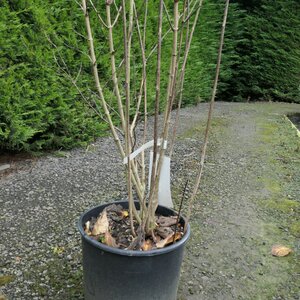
(164, 188)
(143, 148)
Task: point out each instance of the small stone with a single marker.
(4, 167)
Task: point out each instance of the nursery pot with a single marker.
(116, 274)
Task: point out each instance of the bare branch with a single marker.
(117, 17)
(97, 81)
(79, 34)
(116, 7)
(143, 81)
(66, 72)
(145, 23)
(193, 11)
(145, 97)
(78, 73)
(113, 67)
(208, 125)
(67, 45)
(152, 195)
(132, 210)
(168, 17)
(182, 73)
(98, 15)
(78, 3)
(155, 46)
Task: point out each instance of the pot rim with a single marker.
(123, 252)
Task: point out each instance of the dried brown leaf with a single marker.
(168, 240)
(87, 228)
(164, 231)
(2, 297)
(18, 259)
(279, 250)
(147, 245)
(101, 225)
(125, 213)
(167, 221)
(109, 240)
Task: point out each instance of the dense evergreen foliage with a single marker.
(262, 52)
(39, 109)
(42, 47)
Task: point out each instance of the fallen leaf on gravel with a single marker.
(168, 240)
(2, 297)
(101, 225)
(278, 250)
(109, 240)
(58, 250)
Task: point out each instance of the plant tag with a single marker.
(164, 187)
(143, 148)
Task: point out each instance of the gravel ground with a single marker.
(228, 256)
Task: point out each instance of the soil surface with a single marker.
(249, 201)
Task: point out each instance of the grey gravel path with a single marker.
(40, 205)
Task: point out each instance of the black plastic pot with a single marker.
(116, 274)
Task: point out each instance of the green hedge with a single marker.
(41, 109)
(262, 52)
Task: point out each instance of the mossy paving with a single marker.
(249, 202)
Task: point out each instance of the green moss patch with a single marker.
(295, 228)
(5, 279)
(282, 205)
(217, 125)
(271, 185)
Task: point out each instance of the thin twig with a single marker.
(155, 46)
(145, 23)
(181, 77)
(143, 81)
(154, 193)
(192, 11)
(98, 15)
(132, 209)
(97, 80)
(203, 153)
(66, 73)
(152, 207)
(180, 207)
(145, 100)
(117, 17)
(168, 17)
(113, 66)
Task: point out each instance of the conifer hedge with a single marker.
(262, 52)
(41, 43)
(39, 108)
